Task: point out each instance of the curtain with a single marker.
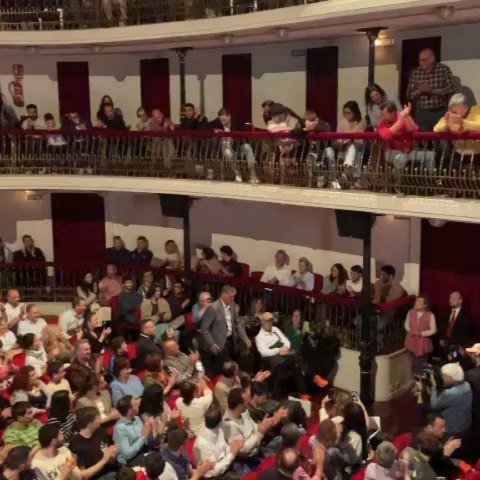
(78, 224)
(73, 88)
(322, 83)
(237, 85)
(155, 84)
(449, 263)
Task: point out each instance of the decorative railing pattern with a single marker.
(340, 315)
(434, 164)
(76, 14)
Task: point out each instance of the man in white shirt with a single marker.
(211, 444)
(274, 348)
(157, 468)
(279, 273)
(354, 284)
(14, 309)
(7, 337)
(71, 320)
(32, 322)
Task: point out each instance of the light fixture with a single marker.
(384, 42)
(31, 50)
(282, 32)
(227, 39)
(97, 48)
(436, 222)
(446, 13)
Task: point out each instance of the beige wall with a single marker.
(276, 74)
(301, 231)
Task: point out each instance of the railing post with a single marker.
(182, 53)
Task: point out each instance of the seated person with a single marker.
(88, 291)
(334, 284)
(120, 349)
(95, 333)
(83, 367)
(386, 288)
(229, 261)
(281, 120)
(156, 308)
(258, 402)
(71, 320)
(8, 338)
(461, 118)
(35, 354)
(24, 428)
(16, 462)
(279, 273)
(56, 345)
(228, 380)
(315, 124)
(303, 278)
(209, 263)
(385, 463)
(124, 382)
(129, 301)
(177, 361)
(399, 151)
(354, 284)
(32, 323)
(148, 285)
(175, 454)
(194, 401)
(110, 286)
(56, 371)
(26, 387)
(155, 374)
(298, 330)
(62, 415)
(146, 343)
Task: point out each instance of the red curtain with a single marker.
(322, 83)
(410, 51)
(73, 88)
(78, 224)
(449, 263)
(155, 84)
(237, 85)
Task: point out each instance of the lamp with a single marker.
(446, 13)
(384, 42)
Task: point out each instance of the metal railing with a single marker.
(335, 314)
(76, 14)
(432, 164)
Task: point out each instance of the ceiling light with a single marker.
(282, 32)
(31, 50)
(97, 48)
(445, 13)
(384, 42)
(227, 39)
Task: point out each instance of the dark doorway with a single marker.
(322, 83)
(410, 51)
(237, 85)
(78, 224)
(155, 84)
(73, 88)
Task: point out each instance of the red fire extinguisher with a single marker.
(16, 90)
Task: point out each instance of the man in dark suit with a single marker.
(232, 148)
(222, 335)
(146, 343)
(458, 328)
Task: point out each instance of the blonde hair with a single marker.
(307, 263)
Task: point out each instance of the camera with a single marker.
(428, 373)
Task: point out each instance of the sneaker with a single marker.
(336, 185)
(320, 381)
(238, 178)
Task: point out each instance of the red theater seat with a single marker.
(360, 475)
(256, 276)
(303, 445)
(19, 360)
(245, 270)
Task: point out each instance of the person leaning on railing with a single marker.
(461, 118)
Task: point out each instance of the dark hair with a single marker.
(16, 457)
(431, 417)
(223, 111)
(342, 273)
(428, 443)
(227, 250)
(229, 369)
(187, 392)
(390, 107)
(124, 405)
(21, 379)
(259, 389)
(357, 269)
(85, 387)
(179, 282)
(86, 287)
(373, 88)
(290, 434)
(267, 102)
(29, 306)
(296, 413)
(353, 106)
(116, 343)
(76, 301)
(288, 460)
(27, 235)
(152, 400)
(86, 320)
(154, 465)
(143, 238)
(176, 438)
(189, 105)
(126, 473)
(277, 109)
(19, 409)
(208, 253)
(235, 398)
(48, 116)
(127, 278)
(354, 421)
(121, 363)
(388, 269)
(28, 107)
(85, 416)
(213, 417)
(60, 405)
(46, 434)
(153, 362)
(26, 341)
(327, 433)
(426, 301)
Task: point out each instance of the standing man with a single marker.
(146, 343)
(141, 255)
(429, 87)
(222, 335)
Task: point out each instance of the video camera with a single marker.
(430, 371)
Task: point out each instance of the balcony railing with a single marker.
(75, 14)
(434, 164)
(336, 314)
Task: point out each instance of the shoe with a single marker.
(238, 178)
(320, 381)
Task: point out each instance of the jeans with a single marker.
(245, 149)
(423, 159)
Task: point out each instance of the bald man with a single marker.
(14, 309)
(430, 87)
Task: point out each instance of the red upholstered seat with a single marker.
(141, 374)
(132, 350)
(245, 270)
(318, 283)
(189, 322)
(189, 448)
(106, 356)
(313, 429)
(403, 441)
(267, 464)
(19, 360)
(360, 475)
(303, 445)
(256, 276)
(250, 476)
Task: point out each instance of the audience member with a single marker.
(73, 122)
(6, 255)
(178, 362)
(179, 303)
(221, 332)
(95, 333)
(35, 355)
(209, 263)
(199, 309)
(436, 425)
(156, 308)
(148, 285)
(375, 96)
(32, 322)
(61, 414)
(56, 345)
(430, 86)
(175, 454)
(110, 286)
(29, 252)
(313, 123)
(95, 394)
(279, 273)
(117, 254)
(386, 288)
(119, 348)
(281, 120)
(253, 319)
(143, 123)
(17, 463)
(155, 374)
(304, 278)
(27, 387)
(297, 331)
(141, 255)
(354, 284)
(30, 121)
(228, 380)
(229, 261)
(14, 308)
(56, 371)
(335, 283)
(129, 301)
(355, 432)
(124, 382)
(88, 290)
(8, 338)
(191, 120)
(84, 367)
(24, 428)
(71, 320)
(107, 100)
(146, 343)
(173, 257)
(385, 466)
(110, 119)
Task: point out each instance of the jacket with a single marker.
(464, 329)
(164, 313)
(145, 346)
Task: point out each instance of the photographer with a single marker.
(453, 402)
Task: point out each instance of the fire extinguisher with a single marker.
(16, 90)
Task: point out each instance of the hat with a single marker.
(475, 349)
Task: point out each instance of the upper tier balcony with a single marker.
(439, 177)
